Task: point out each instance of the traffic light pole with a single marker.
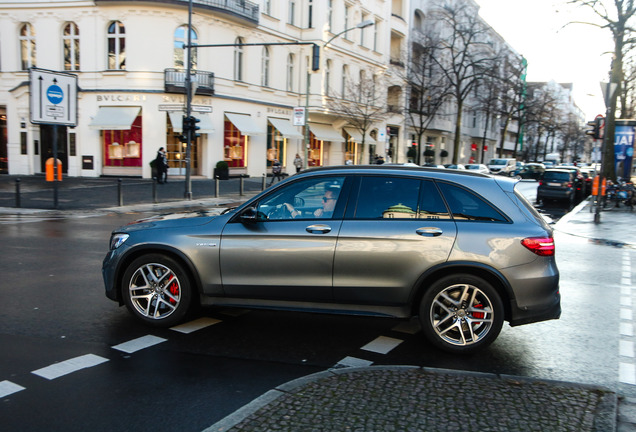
(188, 86)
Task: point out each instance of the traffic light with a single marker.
(190, 127)
(596, 127)
(315, 57)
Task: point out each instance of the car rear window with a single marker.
(466, 205)
(556, 176)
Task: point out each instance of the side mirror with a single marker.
(249, 216)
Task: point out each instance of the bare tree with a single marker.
(466, 55)
(616, 16)
(362, 105)
(512, 97)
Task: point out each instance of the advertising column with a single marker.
(624, 148)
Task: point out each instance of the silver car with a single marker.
(462, 251)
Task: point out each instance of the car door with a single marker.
(399, 228)
(285, 254)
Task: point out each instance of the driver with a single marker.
(328, 204)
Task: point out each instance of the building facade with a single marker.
(130, 62)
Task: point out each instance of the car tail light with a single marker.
(542, 246)
(541, 183)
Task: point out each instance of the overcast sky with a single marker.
(576, 53)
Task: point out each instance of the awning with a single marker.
(115, 118)
(357, 136)
(325, 132)
(286, 128)
(245, 124)
(205, 125)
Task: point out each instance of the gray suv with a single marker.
(462, 251)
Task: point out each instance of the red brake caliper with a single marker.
(174, 289)
(479, 315)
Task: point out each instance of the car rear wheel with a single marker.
(461, 313)
(157, 290)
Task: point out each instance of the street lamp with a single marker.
(363, 24)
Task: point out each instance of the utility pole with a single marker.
(188, 89)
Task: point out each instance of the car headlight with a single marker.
(117, 240)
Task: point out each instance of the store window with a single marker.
(70, 38)
(27, 46)
(351, 150)
(122, 148)
(181, 53)
(276, 146)
(314, 152)
(176, 151)
(116, 46)
(234, 146)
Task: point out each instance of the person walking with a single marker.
(161, 164)
(298, 163)
(276, 171)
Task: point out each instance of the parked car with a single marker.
(532, 171)
(480, 168)
(580, 185)
(502, 165)
(557, 184)
(454, 166)
(462, 251)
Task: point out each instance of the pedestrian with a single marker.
(298, 163)
(161, 164)
(276, 171)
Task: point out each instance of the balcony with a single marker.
(174, 81)
(244, 10)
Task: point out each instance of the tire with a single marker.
(157, 290)
(454, 325)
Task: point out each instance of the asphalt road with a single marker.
(127, 376)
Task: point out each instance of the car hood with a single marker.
(172, 220)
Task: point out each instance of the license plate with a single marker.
(554, 184)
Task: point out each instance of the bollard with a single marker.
(154, 190)
(242, 185)
(216, 187)
(120, 198)
(264, 185)
(18, 203)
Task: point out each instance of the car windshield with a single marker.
(498, 162)
(556, 176)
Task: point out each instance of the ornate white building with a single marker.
(129, 60)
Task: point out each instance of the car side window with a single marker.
(465, 205)
(305, 199)
(398, 198)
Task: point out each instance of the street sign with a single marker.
(299, 116)
(53, 97)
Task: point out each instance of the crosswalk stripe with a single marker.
(69, 366)
(8, 388)
(139, 344)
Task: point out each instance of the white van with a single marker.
(502, 165)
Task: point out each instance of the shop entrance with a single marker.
(46, 142)
(4, 154)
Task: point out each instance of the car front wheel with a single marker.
(461, 313)
(157, 290)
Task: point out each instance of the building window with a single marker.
(238, 59)
(71, 41)
(347, 9)
(234, 146)
(268, 7)
(116, 46)
(265, 68)
(292, 12)
(375, 36)
(343, 83)
(290, 72)
(181, 53)
(27, 46)
(362, 29)
(330, 15)
(310, 14)
(327, 77)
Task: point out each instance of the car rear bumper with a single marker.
(536, 314)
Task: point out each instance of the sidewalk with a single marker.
(376, 398)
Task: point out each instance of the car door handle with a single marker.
(429, 231)
(318, 229)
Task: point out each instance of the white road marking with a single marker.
(8, 388)
(626, 301)
(382, 345)
(626, 348)
(626, 329)
(139, 344)
(627, 314)
(354, 362)
(195, 325)
(69, 366)
(627, 373)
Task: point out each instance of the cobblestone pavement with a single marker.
(404, 399)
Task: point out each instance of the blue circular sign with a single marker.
(55, 94)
